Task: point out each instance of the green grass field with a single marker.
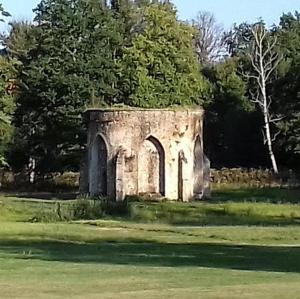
(157, 250)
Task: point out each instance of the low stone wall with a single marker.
(69, 181)
(53, 182)
(253, 178)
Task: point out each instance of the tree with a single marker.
(126, 13)
(160, 67)
(209, 41)
(6, 100)
(232, 136)
(264, 60)
(70, 66)
(7, 107)
(18, 45)
(286, 89)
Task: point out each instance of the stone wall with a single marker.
(237, 177)
(51, 182)
(253, 177)
(154, 152)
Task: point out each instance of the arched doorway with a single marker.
(198, 169)
(151, 171)
(98, 167)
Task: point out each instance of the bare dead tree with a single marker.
(209, 43)
(264, 61)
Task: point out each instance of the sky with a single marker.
(226, 12)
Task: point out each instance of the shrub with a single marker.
(115, 208)
(82, 209)
(86, 209)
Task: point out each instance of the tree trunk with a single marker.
(265, 108)
(269, 140)
(31, 166)
(264, 59)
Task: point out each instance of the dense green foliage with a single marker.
(232, 134)
(71, 63)
(7, 107)
(287, 86)
(88, 53)
(7, 104)
(84, 53)
(243, 144)
(161, 63)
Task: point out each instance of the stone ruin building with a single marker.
(153, 152)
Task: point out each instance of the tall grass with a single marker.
(204, 213)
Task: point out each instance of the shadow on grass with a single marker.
(43, 195)
(227, 218)
(147, 253)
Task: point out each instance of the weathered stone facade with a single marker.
(145, 152)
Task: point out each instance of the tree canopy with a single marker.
(160, 65)
(91, 53)
(70, 64)
(7, 104)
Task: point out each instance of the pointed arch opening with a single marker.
(198, 168)
(151, 168)
(180, 175)
(98, 167)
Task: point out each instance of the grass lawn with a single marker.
(124, 258)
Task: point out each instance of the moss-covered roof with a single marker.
(128, 108)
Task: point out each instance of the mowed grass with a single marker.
(236, 193)
(171, 256)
